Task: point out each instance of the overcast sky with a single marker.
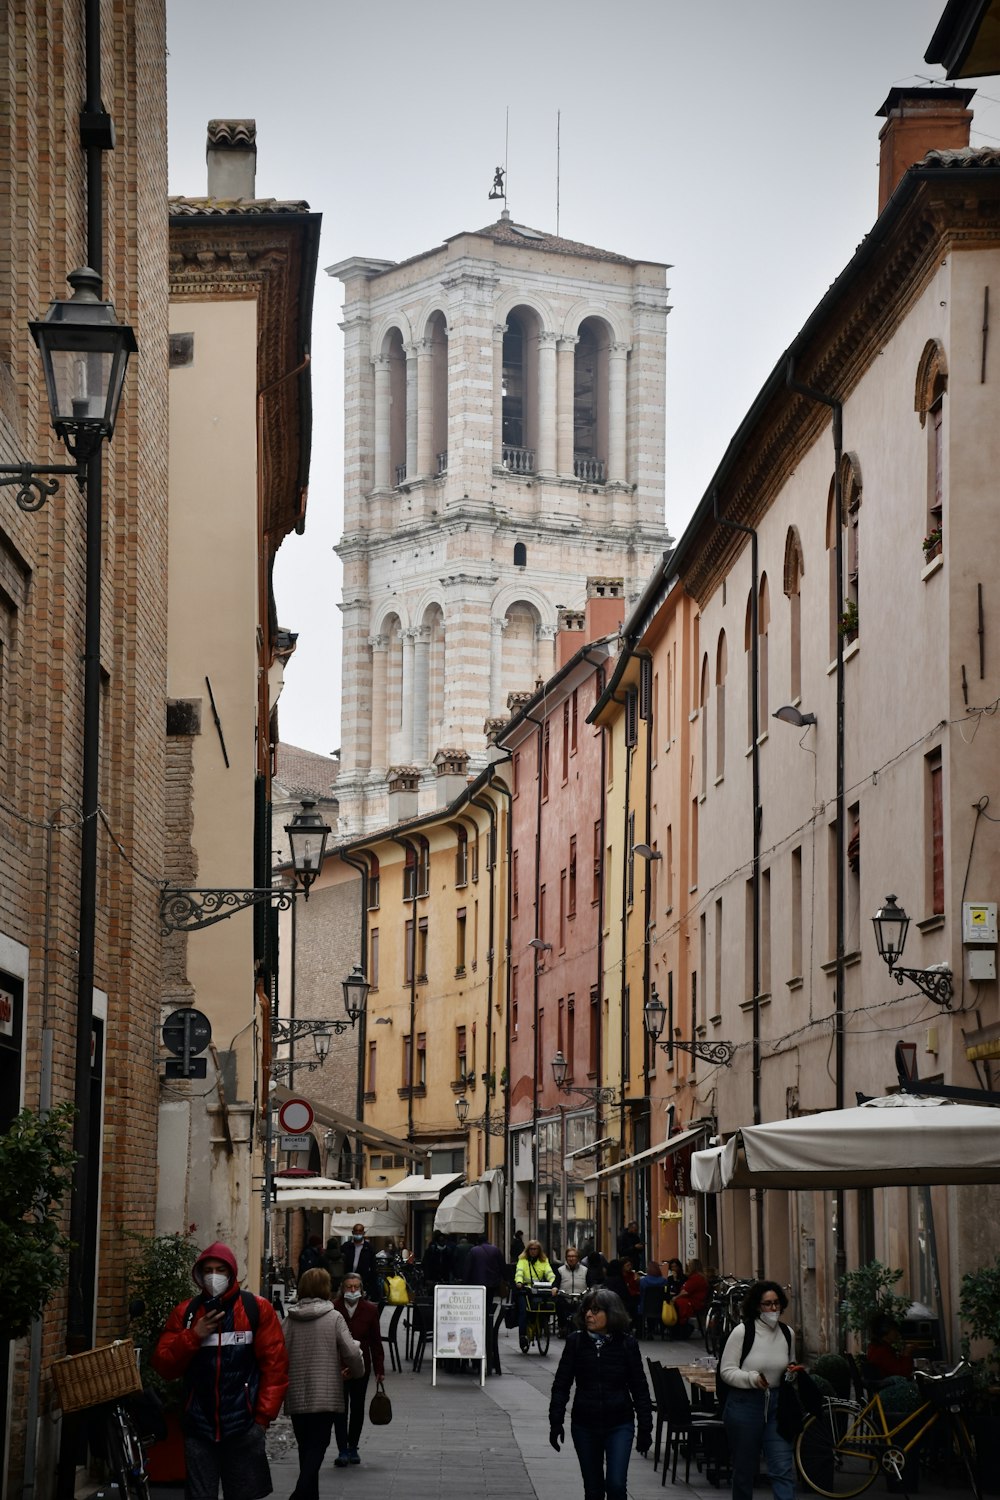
(736, 141)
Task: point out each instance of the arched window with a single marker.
(846, 623)
(393, 707)
(590, 401)
(519, 391)
(520, 555)
(520, 648)
(748, 651)
(763, 623)
(792, 585)
(721, 664)
(397, 406)
(423, 866)
(461, 855)
(932, 383)
(431, 690)
(437, 338)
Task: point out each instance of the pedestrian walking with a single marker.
(227, 1347)
(320, 1348)
(311, 1255)
(757, 1356)
(485, 1267)
(359, 1256)
(361, 1317)
(611, 1405)
(517, 1245)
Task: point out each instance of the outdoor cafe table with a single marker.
(701, 1378)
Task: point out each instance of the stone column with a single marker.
(497, 628)
(421, 662)
(546, 403)
(382, 411)
(499, 329)
(564, 405)
(411, 411)
(379, 645)
(617, 453)
(406, 734)
(546, 651)
(426, 465)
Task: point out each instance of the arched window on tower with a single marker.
(792, 585)
(519, 391)
(437, 337)
(590, 401)
(520, 649)
(393, 705)
(520, 555)
(397, 406)
(932, 383)
(436, 679)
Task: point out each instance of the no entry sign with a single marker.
(295, 1116)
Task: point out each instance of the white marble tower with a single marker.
(504, 437)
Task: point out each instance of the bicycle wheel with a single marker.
(966, 1451)
(838, 1452)
(125, 1456)
(714, 1342)
(543, 1332)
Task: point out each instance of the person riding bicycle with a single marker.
(571, 1279)
(532, 1267)
(228, 1346)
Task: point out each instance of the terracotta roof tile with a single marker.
(236, 206)
(506, 232)
(303, 772)
(963, 156)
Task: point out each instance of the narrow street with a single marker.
(491, 1442)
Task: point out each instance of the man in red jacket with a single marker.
(363, 1321)
(227, 1346)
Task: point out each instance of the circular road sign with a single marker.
(295, 1116)
(197, 1026)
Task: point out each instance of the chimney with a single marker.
(605, 608)
(918, 120)
(232, 159)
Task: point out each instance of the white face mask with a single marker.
(770, 1318)
(216, 1282)
(358, 1239)
(352, 1296)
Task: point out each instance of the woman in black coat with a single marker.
(612, 1397)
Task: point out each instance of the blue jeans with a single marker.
(603, 1459)
(751, 1422)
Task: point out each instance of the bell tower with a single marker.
(504, 443)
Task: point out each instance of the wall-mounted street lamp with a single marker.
(654, 1016)
(646, 851)
(599, 1095)
(494, 1124)
(189, 910)
(891, 925)
(789, 714)
(85, 352)
(285, 1029)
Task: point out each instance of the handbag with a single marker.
(380, 1407)
(668, 1314)
(396, 1291)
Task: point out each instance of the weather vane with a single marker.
(497, 190)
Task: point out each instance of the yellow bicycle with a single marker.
(541, 1307)
(842, 1449)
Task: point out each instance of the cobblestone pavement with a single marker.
(488, 1442)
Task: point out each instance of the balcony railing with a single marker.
(591, 470)
(443, 462)
(400, 474)
(518, 460)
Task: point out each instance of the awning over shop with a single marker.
(379, 1223)
(307, 1193)
(653, 1153)
(420, 1189)
(492, 1182)
(462, 1211)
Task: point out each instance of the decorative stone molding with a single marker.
(378, 642)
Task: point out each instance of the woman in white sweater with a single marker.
(754, 1363)
(319, 1347)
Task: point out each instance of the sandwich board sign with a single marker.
(460, 1326)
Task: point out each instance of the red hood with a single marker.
(218, 1251)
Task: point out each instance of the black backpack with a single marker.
(721, 1388)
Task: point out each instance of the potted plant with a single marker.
(159, 1276)
(866, 1292)
(979, 1308)
(932, 543)
(849, 621)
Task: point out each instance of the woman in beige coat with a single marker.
(320, 1349)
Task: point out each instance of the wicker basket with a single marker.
(97, 1375)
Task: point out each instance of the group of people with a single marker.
(240, 1365)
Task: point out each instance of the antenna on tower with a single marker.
(558, 163)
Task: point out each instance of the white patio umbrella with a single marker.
(903, 1140)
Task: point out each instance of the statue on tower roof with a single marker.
(497, 190)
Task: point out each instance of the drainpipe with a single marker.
(499, 785)
(361, 866)
(404, 844)
(757, 811)
(837, 416)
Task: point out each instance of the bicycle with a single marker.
(724, 1312)
(541, 1303)
(103, 1386)
(842, 1449)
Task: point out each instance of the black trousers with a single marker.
(348, 1424)
(312, 1434)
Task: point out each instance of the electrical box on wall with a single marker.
(982, 963)
(979, 921)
